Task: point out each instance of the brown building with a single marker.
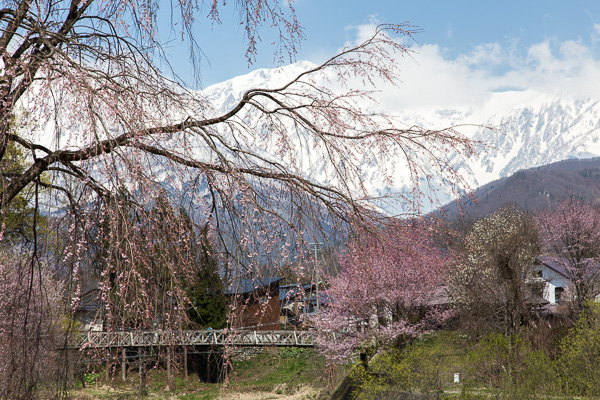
(256, 303)
(89, 312)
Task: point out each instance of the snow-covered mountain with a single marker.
(521, 129)
(537, 129)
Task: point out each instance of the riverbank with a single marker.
(107, 392)
(275, 373)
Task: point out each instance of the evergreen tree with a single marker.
(208, 302)
(17, 219)
(207, 297)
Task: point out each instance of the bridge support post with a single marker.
(108, 367)
(208, 371)
(185, 363)
(170, 380)
(124, 364)
(142, 367)
(71, 356)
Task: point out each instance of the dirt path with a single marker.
(304, 393)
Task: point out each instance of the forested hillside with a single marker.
(533, 189)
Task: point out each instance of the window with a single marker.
(263, 300)
(534, 275)
(558, 294)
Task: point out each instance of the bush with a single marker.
(579, 361)
(496, 366)
(510, 369)
(90, 378)
(291, 352)
(426, 366)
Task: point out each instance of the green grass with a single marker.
(491, 367)
(286, 369)
(278, 371)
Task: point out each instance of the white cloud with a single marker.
(595, 35)
(360, 33)
(487, 53)
(432, 78)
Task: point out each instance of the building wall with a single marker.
(553, 280)
(261, 313)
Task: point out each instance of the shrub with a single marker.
(426, 366)
(508, 367)
(579, 361)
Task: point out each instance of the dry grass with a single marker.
(274, 374)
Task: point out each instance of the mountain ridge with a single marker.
(533, 189)
(520, 129)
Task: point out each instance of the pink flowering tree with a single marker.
(84, 97)
(389, 289)
(572, 234)
(31, 317)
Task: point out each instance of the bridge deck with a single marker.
(192, 338)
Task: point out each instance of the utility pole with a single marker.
(317, 275)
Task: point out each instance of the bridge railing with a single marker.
(91, 340)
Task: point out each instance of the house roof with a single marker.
(324, 299)
(591, 268)
(89, 301)
(536, 300)
(439, 297)
(288, 292)
(554, 264)
(246, 285)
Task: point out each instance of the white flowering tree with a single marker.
(492, 286)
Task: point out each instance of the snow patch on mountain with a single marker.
(226, 95)
(520, 129)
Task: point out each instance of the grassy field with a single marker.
(284, 374)
(444, 365)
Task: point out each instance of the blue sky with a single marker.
(457, 29)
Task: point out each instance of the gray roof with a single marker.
(591, 267)
(554, 264)
(246, 285)
(288, 292)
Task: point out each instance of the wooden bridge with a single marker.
(95, 340)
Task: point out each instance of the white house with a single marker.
(89, 311)
(555, 278)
